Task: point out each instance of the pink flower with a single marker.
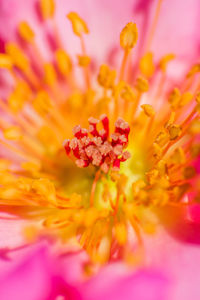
(36, 277)
(116, 207)
(39, 276)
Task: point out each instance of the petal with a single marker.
(178, 260)
(142, 285)
(29, 280)
(180, 223)
(178, 26)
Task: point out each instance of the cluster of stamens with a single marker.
(94, 147)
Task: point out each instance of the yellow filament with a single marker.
(154, 24)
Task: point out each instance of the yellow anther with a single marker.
(147, 67)
(137, 186)
(42, 103)
(159, 196)
(189, 172)
(30, 233)
(165, 60)
(174, 131)
(101, 255)
(162, 138)
(106, 77)
(198, 98)
(76, 100)
(79, 216)
(195, 150)
(78, 25)
(163, 180)
(63, 62)
(195, 127)
(24, 184)
(175, 98)
(197, 108)
(18, 57)
(89, 97)
(171, 118)
(45, 135)
(47, 8)
(148, 110)
(118, 88)
(127, 93)
(76, 199)
(15, 102)
(9, 193)
(12, 133)
(129, 36)
(142, 84)
(23, 90)
(18, 97)
(6, 177)
(5, 61)
(45, 188)
(121, 233)
(83, 61)
(162, 167)
(25, 32)
(185, 98)
(157, 150)
(4, 165)
(152, 176)
(90, 216)
(195, 69)
(31, 167)
(49, 74)
(178, 156)
(121, 183)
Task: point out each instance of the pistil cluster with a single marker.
(94, 147)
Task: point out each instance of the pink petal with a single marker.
(142, 285)
(180, 223)
(179, 261)
(30, 280)
(177, 30)
(178, 23)
(194, 212)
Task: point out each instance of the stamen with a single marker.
(78, 25)
(154, 25)
(47, 8)
(128, 39)
(147, 67)
(129, 36)
(5, 61)
(26, 32)
(165, 60)
(63, 62)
